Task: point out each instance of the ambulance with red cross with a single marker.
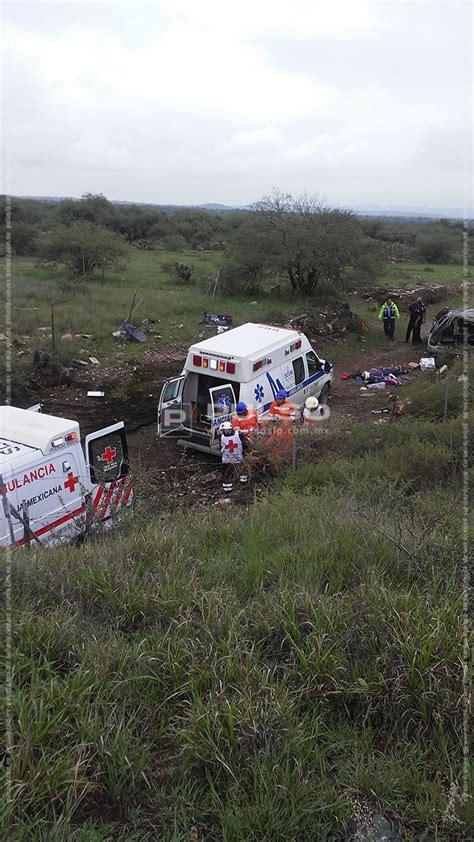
(249, 363)
(52, 487)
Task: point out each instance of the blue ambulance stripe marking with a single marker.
(295, 389)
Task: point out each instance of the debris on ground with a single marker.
(216, 320)
(94, 360)
(328, 322)
(81, 362)
(431, 294)
(95, 394)
(129, 331)
(390, 376)
(66, 337)
(427, 363)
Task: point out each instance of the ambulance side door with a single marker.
(222, 402)
(318, 375)
(108, 470)
(171, 415)
(52, 495)
(299, 377)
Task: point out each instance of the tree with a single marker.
(83, 248)
(91, 207)
(198, 227)
(434, 248)
(23, 238)
(304, 240)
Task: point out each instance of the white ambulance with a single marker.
(250, 363)
(52, 490)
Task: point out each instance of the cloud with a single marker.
(182, 101)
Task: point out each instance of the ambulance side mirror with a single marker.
(327, 367)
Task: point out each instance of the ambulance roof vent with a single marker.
(32, 428)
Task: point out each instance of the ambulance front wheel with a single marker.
(324, 394)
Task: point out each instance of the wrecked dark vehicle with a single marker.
(448, 330)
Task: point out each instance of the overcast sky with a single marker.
(192, 101)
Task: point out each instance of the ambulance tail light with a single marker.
(221, 366)
(197, 359)
(205, 362)
(57, 442)
(71, 437)
(230, 368)
(298, 344)
(257, 365)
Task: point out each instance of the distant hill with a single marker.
(424, 212)
(216, 207)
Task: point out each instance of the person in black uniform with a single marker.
(416, 318)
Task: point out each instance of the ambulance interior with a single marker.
(198, 401)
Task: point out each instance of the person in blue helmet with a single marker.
(282, 409)
(246, 420)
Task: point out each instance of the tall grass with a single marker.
(251, 673)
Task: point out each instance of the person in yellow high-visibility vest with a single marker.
(389, 312)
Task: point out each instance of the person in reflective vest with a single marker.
(281, 415)
(389, 312)
(232, 455)
(281, 409)
(246, 420)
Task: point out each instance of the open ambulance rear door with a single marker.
(171, 415)
(108, 469)
(222, 408)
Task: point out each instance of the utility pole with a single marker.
(446, 392)
(52, 328)
(6, 509)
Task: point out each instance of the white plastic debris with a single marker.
(427, 363)
(95, 394)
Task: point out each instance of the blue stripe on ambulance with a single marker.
(266, 406)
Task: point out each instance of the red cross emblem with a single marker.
(71, 482)
(232, 445)
(108, 455)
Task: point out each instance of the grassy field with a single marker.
(257, 673)
(97, 308)
(237, 675)
(408, 273)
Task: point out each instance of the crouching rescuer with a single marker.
(232, 455)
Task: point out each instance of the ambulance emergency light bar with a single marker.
(261, 363)
(213, 364)
(295, 346)
(64, 439)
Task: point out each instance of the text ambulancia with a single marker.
(52, 489)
